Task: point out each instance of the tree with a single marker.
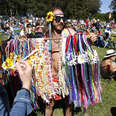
(113, 6)
(3, 7)
(72, 8)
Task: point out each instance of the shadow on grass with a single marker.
(113, 111)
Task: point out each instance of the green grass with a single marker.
(100, 109)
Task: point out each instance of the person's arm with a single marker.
(22, 102)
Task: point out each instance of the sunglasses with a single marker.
(58, 18)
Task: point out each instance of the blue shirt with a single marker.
(21, 105)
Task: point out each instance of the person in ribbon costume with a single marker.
(58, 31)
(57, 26)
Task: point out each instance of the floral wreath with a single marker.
(49, 17)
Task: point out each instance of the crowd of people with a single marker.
(60, 28)
(30, 25)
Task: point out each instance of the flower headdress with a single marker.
(49, 17)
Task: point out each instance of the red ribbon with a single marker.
(67, 43)
(75, 43)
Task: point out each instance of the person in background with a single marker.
(22, 102)
(108, 64)
(100, 40)
(108, 32)
(29, 31)
(87, 23)
(39, 31)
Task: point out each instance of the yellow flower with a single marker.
(18, 58)
(8, 63)
(11, 53)
(30, 62)
(49, 17)
(4, 65)
(32, 57)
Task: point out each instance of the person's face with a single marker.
(113, 57)
(58, 22)
(39, 29)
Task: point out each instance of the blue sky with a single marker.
(105, 6)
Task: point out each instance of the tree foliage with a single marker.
(113, 5)
(72, 8)
(102, 16)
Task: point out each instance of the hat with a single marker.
(110, 53)
(108, 25)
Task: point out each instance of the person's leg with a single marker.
(49, 109)
(68, 108)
